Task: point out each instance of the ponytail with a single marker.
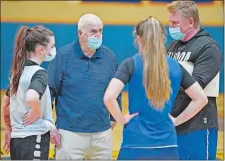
(155, 68)
(19, 59)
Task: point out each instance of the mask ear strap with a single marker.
(188, 29)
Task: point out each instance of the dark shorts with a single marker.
(170, 153)
(31, 147)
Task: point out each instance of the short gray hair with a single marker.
(88, 19)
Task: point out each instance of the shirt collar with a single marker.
(79, 52)
(30, 63)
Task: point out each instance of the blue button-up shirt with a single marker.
(79, 84)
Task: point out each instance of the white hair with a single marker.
(88, 20)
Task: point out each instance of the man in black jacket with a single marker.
(201, 56)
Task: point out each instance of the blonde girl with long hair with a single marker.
(154, 80)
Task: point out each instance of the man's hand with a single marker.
(30, 117)
(113, 124)
(55, 138)
(7, 141)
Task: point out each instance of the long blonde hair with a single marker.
(155, 69)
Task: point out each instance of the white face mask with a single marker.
(51, 56)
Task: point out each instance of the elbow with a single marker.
(107, 99)
(31, 100)
(204, 100)
(32, 97)
(5, 100)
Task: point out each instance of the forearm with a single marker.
(114, 109)
(32, 99)
(192, 109)
(35, 106)
(7, 118)
(119, 104)
(6, 112)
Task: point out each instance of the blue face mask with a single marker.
(176, 34)
(94, 43)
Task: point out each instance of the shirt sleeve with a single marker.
(125, 70)
(187, 79)
(207, 64)
(39, 82)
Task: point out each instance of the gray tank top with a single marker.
(19, 107)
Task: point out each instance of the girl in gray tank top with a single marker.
(27, 104)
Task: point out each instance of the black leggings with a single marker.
(31, 147)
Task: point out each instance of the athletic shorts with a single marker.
(31, 147)
(198, 145)
(170, 153)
